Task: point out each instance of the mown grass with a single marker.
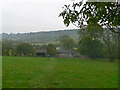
(35, 72)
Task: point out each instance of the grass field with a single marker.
(35, 72)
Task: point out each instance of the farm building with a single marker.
(60, 53)
(41, 53)
(67, 53)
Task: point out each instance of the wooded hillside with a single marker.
(40, 37)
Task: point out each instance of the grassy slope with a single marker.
(55, 72)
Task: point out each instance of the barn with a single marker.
(41, 53)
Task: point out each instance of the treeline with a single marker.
(99, 43)
(22, 49)
(10, 48)
(93, 43)
(40, 37)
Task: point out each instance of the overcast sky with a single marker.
(32, 15)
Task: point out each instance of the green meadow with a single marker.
(36, 72)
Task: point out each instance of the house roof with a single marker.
(68, 51)
(41, 51)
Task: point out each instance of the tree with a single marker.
(90, 47)
(94, 32)
(111, 42)
(105, 14)
(109, 39)
(95, 15)
(25, 49)
(66, 42)
(51, 49)
(7, 48)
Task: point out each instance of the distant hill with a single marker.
(40, 37)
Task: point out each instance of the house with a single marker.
(67, 53)
(41, 52)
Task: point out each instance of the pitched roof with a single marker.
(41, 51)
(68, 51)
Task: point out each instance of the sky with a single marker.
(32, 15)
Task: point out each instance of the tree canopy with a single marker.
(7, 48)
(90, 47)
(104, 14)
(51, 49)
(25, 49)
(66, 42)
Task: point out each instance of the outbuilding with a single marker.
(41, 53)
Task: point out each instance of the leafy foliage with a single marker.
(111, 43)
(91, 18)
(106, 14)
(66, 42)
(90, 47)
(106, 37)
(8, 48)
(25, 49)
(51, 49)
